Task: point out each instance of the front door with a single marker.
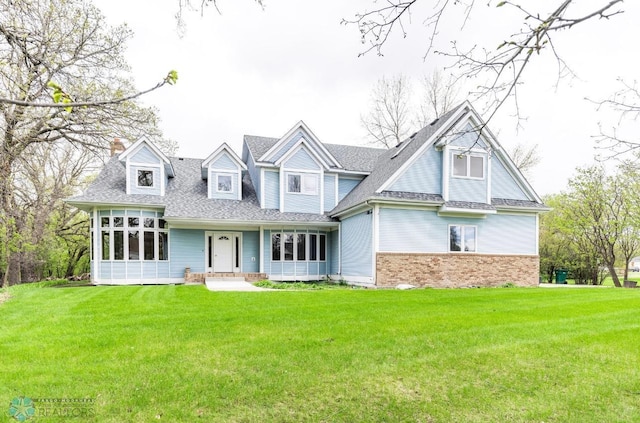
(222, 252)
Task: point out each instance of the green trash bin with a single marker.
(561, 276)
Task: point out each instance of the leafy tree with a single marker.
(61, 50)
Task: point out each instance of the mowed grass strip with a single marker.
(182, 353)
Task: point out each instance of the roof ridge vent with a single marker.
(434, 121)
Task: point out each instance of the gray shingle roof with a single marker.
(387, 165)
(351, 157)
(186, 197)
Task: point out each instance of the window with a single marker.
(302, 246)
(323, 247)
(468, 166)
(145, 178)
(275, 247)
(302, 184)
(120, 242)
(294, 247)
(462, 238)
(288, 247)
(224, 183)
(313, 247)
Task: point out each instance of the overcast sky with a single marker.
(258, 72)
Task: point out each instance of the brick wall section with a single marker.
(200, 277)
(456, 270)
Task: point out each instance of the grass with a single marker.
(303, 286)
(182, 353)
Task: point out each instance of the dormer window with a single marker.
(145, 178)
(302, 184)
(224, 183)
(468, 166)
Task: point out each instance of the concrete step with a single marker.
(225, 279)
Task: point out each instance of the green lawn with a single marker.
(182, 353)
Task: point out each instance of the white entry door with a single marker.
(222, 252)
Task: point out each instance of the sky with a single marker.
(255, 71)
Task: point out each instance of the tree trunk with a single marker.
(614, 276)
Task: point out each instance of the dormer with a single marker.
(300, 133)
(147, 168)
(223, 172)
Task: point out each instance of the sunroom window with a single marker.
(133, 242)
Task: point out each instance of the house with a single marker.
(446, 207)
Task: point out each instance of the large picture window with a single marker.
(468, 166)
(298, 183)
(298, 247)
(134, 238)
(462, 238)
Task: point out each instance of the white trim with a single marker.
(140, 281)
(152, 186)
(336, 193)
(462, 239)
(322, 192)
(446, 164)
(233, 235)
(190, 223)
(281, 191)
(224, 147)
(376, 239)
(133, 149)
(302, 176)
(217, 186)
(262, 187)
(300, 145)
(537, 250)
(444, 210)
(261, 243)
(489, 180)
(468, 165)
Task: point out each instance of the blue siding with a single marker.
(301, 160)
(254, 173)
(502, 183)
(145, 155)
(424, 231)
(468, 139)
(186, 249)
(119, 269)
(133, 180)
(345, 185)
(149, 270)
(250, 249)
(213, 186)
(164, 269)
(285, 148)
(463, 189)
(302, 203)
(356, 245)
(329, 192)
(333, 243)
(424, 175)
(224, 162)
(271, 190)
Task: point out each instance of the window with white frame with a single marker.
(289, 246)
(299, 183)
(145, 178)
(463, 238)
(224, 183)
(134, 238)
(468, 165)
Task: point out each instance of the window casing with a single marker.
(467, 166)
(224, 183)
(145, 178)
(289, 246)
(300, 183)
(463, 238)
(142, 238)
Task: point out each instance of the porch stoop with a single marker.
(200, 278)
